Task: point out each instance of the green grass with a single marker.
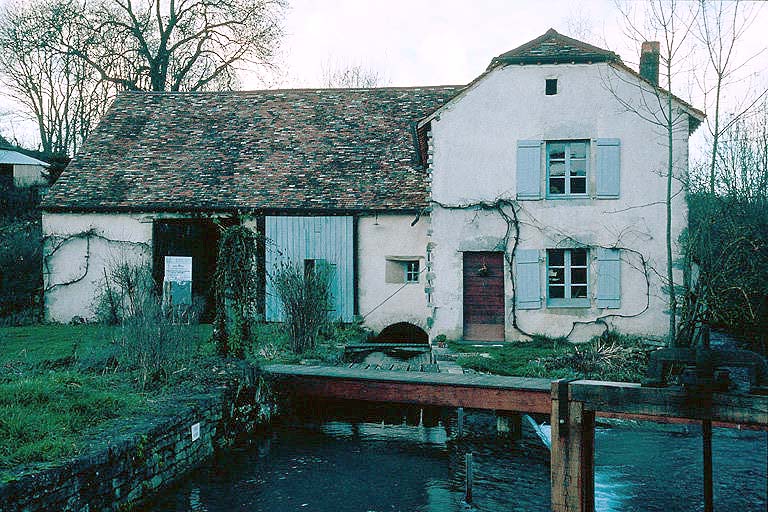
(272, 345)
(59, 383)
(36, 343)
(615, 358)
(50, 398)
(43, 417)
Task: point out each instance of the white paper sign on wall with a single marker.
(178, 269)
(195, 431)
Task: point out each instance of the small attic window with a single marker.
(551, 87)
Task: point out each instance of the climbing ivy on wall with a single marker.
(509, 211)
(236, 285)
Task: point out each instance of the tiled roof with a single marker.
(554, 48)
(331, 149)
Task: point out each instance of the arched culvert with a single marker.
(402, 332)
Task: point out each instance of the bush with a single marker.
(18, 203)
(305, 297)
(147, 339)
(728, 240)
(20, 272)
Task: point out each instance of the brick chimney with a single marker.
(649, 61)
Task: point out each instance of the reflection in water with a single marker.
(339, 466)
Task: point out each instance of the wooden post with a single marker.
(573, 453)
(469, 476)
(459, 422)
(706, 438)
(509, 425)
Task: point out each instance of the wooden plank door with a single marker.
(484, 296)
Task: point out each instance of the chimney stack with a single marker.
(649, 61)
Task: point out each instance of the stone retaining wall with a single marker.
(133, 466)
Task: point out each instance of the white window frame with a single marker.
(411, 275)
(567, 301)
(567, 177)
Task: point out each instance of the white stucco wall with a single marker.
(474, 145)
(390, 236)
(70, 256)
(28, 175)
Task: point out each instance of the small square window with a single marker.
(551, 87)
(412, 271)
(402, 269)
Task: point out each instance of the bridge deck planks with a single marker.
(517, 394)
(445, 379)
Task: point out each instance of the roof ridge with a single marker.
(298, 89)
(526, 54)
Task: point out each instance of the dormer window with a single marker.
(550, 88)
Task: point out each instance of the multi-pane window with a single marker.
(567, 168)
(567, 281)
(412, 271)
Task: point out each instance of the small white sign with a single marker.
(178, 269)
(195, 431)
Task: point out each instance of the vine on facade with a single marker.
(509, 211)
(236, 285)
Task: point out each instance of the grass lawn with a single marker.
(617, 358)
(61, 383)
(49, 400)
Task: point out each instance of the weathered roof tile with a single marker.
(332, 149)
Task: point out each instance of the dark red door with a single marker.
(484, 296)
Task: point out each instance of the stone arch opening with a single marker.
(402, 332)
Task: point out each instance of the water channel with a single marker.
(362, 462)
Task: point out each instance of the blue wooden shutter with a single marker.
(528, 169)
(528, 279)
(608, 278)
(608, 174)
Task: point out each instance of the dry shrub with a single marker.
(147, 339)
(305, 297)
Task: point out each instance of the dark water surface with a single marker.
(340, 466)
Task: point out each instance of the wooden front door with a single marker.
(484, 296)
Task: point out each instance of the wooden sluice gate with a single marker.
(572, 405)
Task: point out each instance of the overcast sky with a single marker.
(433, 42)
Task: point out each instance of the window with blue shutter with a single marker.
(529, 169)
(608, 278)
(527, 279)
(567, 168)
(568, 278)
(608, 168)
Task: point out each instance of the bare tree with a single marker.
(671, 24)
(578, 24)
(178, 45)
(59, 92)
(719, 28)
(741, 164)
(351, 76)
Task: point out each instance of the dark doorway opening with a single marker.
(198, 238)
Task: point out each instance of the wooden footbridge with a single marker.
(571, 404)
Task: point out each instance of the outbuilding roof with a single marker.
(299, 149)
(8, 156)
